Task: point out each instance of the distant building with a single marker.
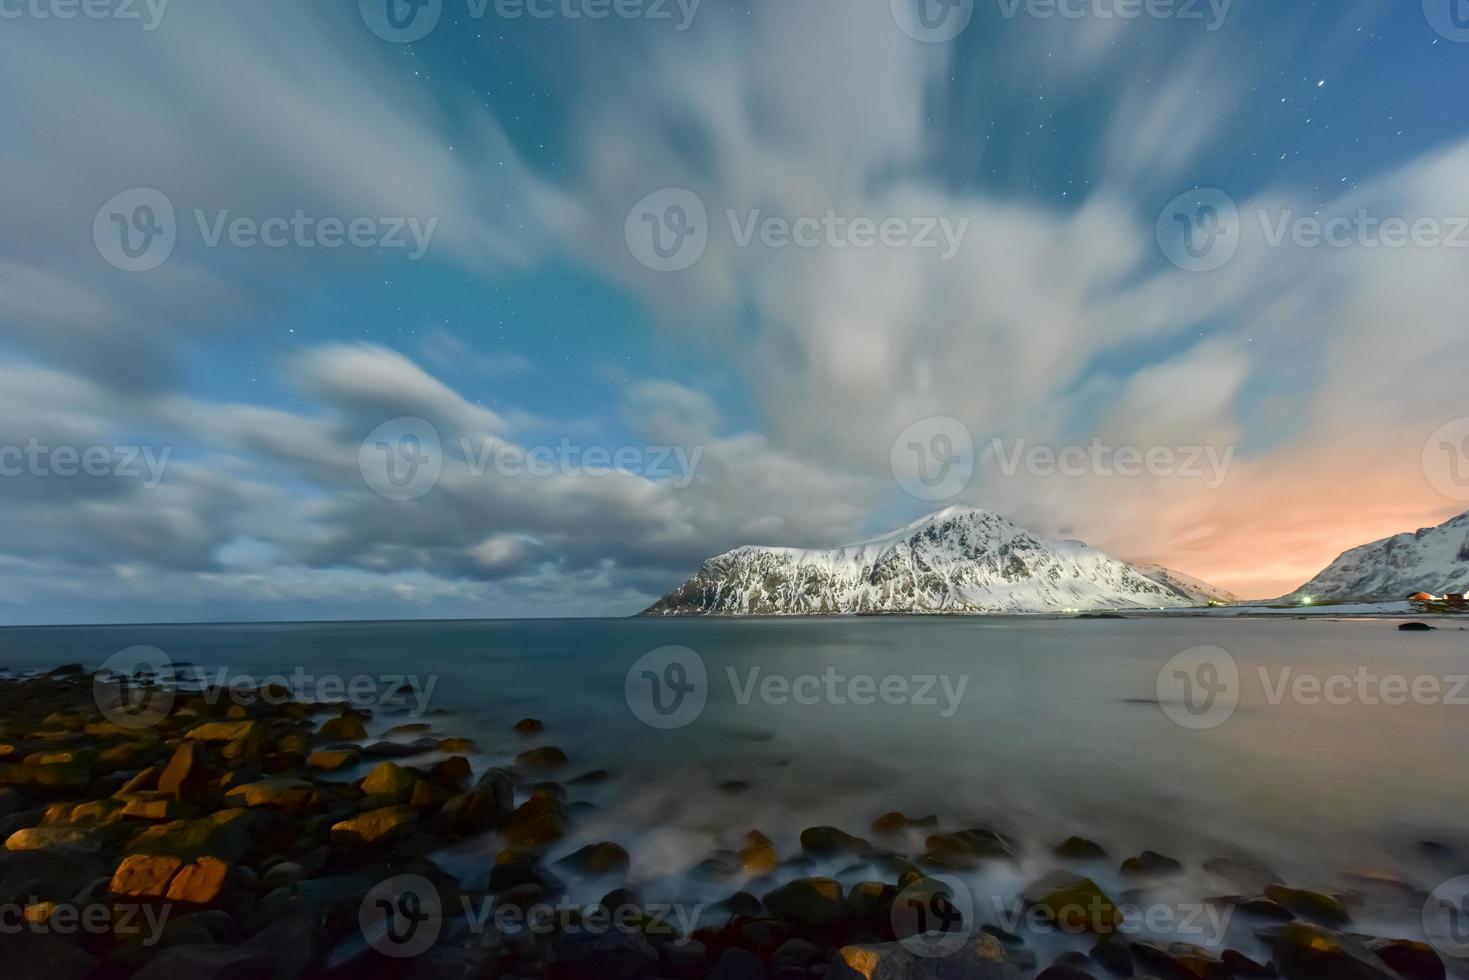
(1421, 597)
(1456, 599)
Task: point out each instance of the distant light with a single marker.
(1321, 84)
(1306, 600)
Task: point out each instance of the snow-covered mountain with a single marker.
(1433, 560)
(1196, 590)
(958, 561)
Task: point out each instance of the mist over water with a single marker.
(1058, 732)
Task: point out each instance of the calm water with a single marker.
(1058, 732)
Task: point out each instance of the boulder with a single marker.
(983, 958)
(382, 826)
(1316, 906)
(596, 860)
(610, 955)
(208, 962)
(1080, 849)
(144, 875)
(964, 850)
(201, 883)
(814, 902)
(281, 792)
(67, 840)
(739, 964)
(347, 728)
(829, 840)
(1307, 952)
(294, 944)
(330, 760)
(192, 839)
(1073, 903)
(1151, 864)
(546, 757)
(389, 779)
(185, 778)
(29, 955)
(1413, 960)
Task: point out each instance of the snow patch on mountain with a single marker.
(958, 561)
(1196, 590)
(1433, 560)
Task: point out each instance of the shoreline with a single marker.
(231, 827)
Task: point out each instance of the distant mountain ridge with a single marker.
(958, 561)
(1432, 559)
(1193, 589)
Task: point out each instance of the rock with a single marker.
(208, 963)
(1245, 968)
(1114, 954)
(1249, 878)
(892, 823)
(443, 963)
(225, 731)
(546, 757)
(609, 955)
(185, 777)
(1307, 952)
(529, 726)
(685, 960)
(346, 728)
(457, 745)
(281, 792)
(1416, 628)
(830, 840)
(871, 901)
(984, 958)
(1080, 849)
(201, 883)
(538, 821)
(391, 780)
(294, 944)
(596, 860)
(382, 826)
(144, 875)
(964, 850)
(738, 964)
(1316, 906)
(814, 902)
(330, 760)
(1181, 960)
(30, 955)
(1151, 864)
(797, 952)
(1413, 960)
(156, 806)
(453, 773)
(45, 875)
(67, 840)
(1062, 971)
(1072, 902)
(189, 840)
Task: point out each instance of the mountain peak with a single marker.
(1432, 559)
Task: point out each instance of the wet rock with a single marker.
(490, 804)
(31, 955)
(1180, 960)
(611, 955)
(185, 778)
(188, 840)
(1416, 628)
(546, 757)
(895, 822)
(1072, 902)
(529, 726)
(295, 945)
(347, 728)
(538, 821)
(330, 760)
(964, 850)
(1151, 864)
(758, 856)
(1308, 952)
(1413, 960)
(455, 964)
(871, 901)
(81, 841)
(684, 960)
(145, 875)
(201, 883)
(596, 860)
(389, 780)
(1113, 954)
(381, 826)
(1080, 849)
(738, 964)
(208, 963)
(797, 952)
(982, 959)
(457, 745)
(1245, 968)
(823, 841)
(814, 902)
(45, 875)
(1063, 971)
(1316, 906)
(281, 792)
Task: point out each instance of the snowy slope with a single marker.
(1196, 590)
(1434, 559)
(957, 561)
